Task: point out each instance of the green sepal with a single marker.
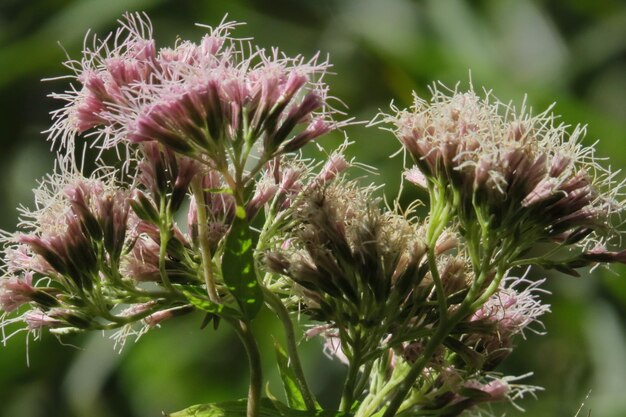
(144, 209)
(475, 394)
(238, 266)
(468, 355)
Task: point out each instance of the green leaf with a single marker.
(238, 409)
(238, 266)
(281, 407)
(295, 398)
(198, 298)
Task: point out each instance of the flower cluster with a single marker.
(510, 176)
(201, 122)
(64, 264)
(362, 273)
(210, 99)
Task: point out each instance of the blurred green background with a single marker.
(570, 51)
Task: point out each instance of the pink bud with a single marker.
(335, 165)
(15, 292)
(601, 254)
(541, 192)
(155, 319)
(415, 176)
(497, 389)
(37, 319)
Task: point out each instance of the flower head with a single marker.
(360, 268)
(513, 173)
(64, 262)
(514, 307)
(194, 98)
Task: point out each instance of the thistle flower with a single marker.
(357, 267)
(512, 308)
(37, 319)
(72, 213)
(63, 264)
(334, 166)
(195, 99)
(265, 190)
(515, 307)
(520, 177)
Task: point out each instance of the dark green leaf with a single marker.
(238, 266)
(290, 384)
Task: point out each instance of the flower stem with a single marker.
(243, 330)
(164, 237)
(347, 398)
(203, 238)
(441, 295)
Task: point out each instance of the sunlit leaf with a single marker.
(238, 266)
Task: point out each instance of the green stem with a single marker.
(441, 295)
(372, 402)
(365, 376)
(416, 369)
(203, 238)
(165, 234)
(292, 348)
(243, 330)
(489, 291)
(347, 398)
(468, 305)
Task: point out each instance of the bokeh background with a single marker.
(569, 51)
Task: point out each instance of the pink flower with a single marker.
(15, 292)
(193, 98)
(514, 307)
(335, 165)
(497, 389)
(534, 178)
(37, 319)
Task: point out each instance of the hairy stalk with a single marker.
(203, 238)
(440, 214)
(292, 348)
